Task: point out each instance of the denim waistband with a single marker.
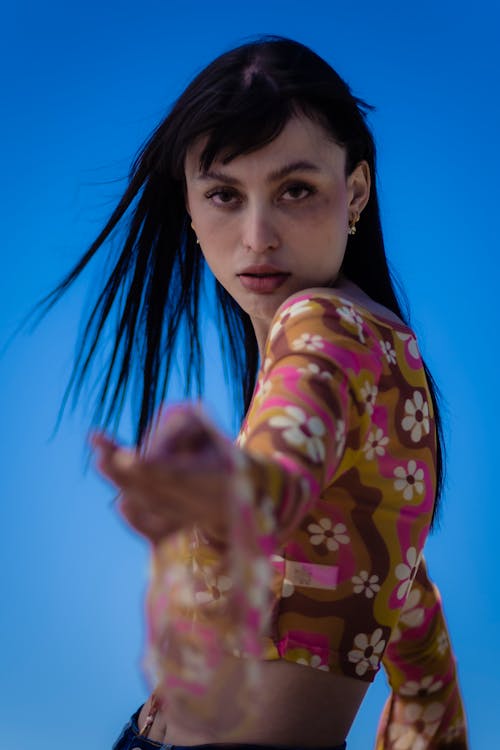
(130, 739)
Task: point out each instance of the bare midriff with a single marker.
(301, 706)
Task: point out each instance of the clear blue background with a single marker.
(83, 85)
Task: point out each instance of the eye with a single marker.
(223, 197)
(297, 191)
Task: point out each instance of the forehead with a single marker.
(301, 140)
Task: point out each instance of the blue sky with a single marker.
(84, 85)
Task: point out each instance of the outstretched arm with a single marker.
(424, 710)
(324, 414)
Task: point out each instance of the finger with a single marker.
(129, 470)
(194, 497)
(185, 431)
(119, 465)
(103, 445)
(185, 502)
(183, 468)
(155, 526)
(101, 440)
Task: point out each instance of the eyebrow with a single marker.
(277, 174)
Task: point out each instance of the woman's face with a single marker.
(275, 221)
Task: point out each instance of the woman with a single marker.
(299, 549)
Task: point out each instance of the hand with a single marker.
(181, 480)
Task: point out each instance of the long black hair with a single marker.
(240, 102)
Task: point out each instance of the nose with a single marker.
(259, 231)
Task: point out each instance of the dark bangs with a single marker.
(254, 118)
(238, 120)
(257, 116)
(243, 100)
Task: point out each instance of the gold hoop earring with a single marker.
(352, 223)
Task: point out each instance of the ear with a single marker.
(186, 197)
(358, 186)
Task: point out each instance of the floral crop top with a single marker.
(342, 405)
(333, 476)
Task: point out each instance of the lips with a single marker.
(263, 283)
(264, 269)
(263, 275)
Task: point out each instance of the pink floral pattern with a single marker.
(334, 469)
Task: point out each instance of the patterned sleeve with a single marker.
(332, 481)
(425, 707)
(294, 436)
(343, 419)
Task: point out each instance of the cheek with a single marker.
(325, 211)
(326, 221)
(217, 261)
(212, 227)
(327, 233)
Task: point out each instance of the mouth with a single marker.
(264, 275)
(263, 283)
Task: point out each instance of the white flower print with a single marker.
(216, 587)
(299, 429)
(267, 364)
(368, 651)
(416, 421)
(363, 583)
(442, 643)
(264, 390)
(375, 444)
(305, 486)
(455, 731)
(302, 305)
(314, 661)
(287, 588)
(350, 315)
(325, 532)
(396, 634)
(411, 615)
(274, 329)
(310, 341)
(267, 515)
(388, 351)
(425, 686)
(340, 437)
(419, 727)
(409, 480)
(175, 578)
(405, 572)
(257, 592)
(242, 436)
(412, 343)
(313, 369)
(369, 394)
(195, 666)
(297, 307)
